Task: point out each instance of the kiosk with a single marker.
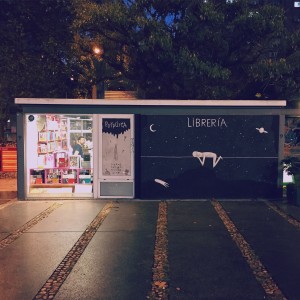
(149, 149)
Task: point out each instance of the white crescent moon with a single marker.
(151, 128)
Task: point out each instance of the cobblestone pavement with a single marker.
(96, 249)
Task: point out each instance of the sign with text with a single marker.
(116, 147)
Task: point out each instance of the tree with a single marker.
(195, 49)
(179, 49)
(36, 51)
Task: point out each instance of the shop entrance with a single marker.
(116, 161)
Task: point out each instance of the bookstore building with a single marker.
(149, 149)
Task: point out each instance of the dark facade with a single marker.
(202, 156)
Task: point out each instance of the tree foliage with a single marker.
(40, 54)
(195, 49)
(179, 49)
(35, 52)
(35, 49)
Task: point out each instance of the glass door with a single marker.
(116, 159)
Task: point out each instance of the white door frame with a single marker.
(114, 179)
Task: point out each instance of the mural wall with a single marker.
(209, 156)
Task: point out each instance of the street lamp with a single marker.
(97, 50)
(98, 88)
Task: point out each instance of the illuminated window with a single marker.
(59, 155)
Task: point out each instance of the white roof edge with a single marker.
(150, 102)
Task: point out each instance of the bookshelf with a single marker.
(52, 165)
(60, 177)
(52, 138)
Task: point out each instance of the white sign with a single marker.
(297, 4)
(116, 147)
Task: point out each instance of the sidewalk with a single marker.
(181, 250)
(8, 189)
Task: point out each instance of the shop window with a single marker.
(59, 155)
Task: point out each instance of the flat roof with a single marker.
(150, 102)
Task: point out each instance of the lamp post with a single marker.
(98, 87)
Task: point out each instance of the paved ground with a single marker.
(8, 187)
(95, 249)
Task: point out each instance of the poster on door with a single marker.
(116, 147)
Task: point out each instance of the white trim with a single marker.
(95, 137)
(150, 102)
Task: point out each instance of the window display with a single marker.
(59, 154)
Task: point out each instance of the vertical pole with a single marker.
(281, 148)
(94, 92)
(21, 157)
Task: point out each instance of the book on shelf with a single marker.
(68, 178)
(41, 161)
(38, 180)
(49, 160)
(74, 161)
(85, 179)
(61, 159)
(43, 136)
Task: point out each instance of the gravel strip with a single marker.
(55, 281)
(159, 290)
(261, 274)
(287, 217)
(17, 233)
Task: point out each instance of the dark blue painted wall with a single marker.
(243, 148)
